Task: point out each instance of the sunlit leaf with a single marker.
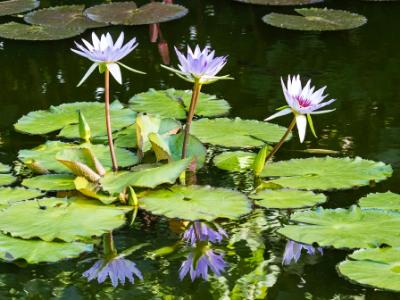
(235, 161)
(9, 195)
(51, 182)
(386, 200)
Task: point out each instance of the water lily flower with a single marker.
(293, 251)
(201, 231)
(106, 54)
(118, 269)
(302, 102)
(199, 261)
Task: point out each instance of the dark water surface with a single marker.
(360, 68)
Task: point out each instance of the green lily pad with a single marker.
(6, 179)
(345, 228)
(196, 203)
(127, 13)
(236, 133)
(37, 251)
(388, 200)
(326, 173)
(65, 219)
(281, 2)
(235, 161)
(19, 31)
(62, 16)
(378, 268)
(316, 19)
(51, 182)
(173, 103)
(285, 199)
(145, 177)
(13, 7)
(9, 195)
(45, 155)
(4, 168)
(65, 117)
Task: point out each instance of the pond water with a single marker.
(360, 68)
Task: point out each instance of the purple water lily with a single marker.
(302, 102)
(293, 251)
(118, 269)
(199, 267)
(200, 231)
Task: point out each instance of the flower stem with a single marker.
(108, 245)
(108, 119)
(282, 140)
(192, 107)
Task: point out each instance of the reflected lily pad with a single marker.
(386, 200)
(13, 7)
(345, 228)
(9, 195)
(281, 2)
(235, 161)
(173, 103)
(326, 173)
(196, 203)
(236, 133)
(316, 19)
(51, 182)
(4, 168)
(127, 13)
(6, 179)
(62, 16)
(65, 219)
(285, 198)
(19, 31)
(37, 251)
(378, 268)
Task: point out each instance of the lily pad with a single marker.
(51, 182)
(345, 228)
(388, 200)
(196, 203)
(316, 19)
(9, 195)
(6, 179)
(235, 161)
(62, 16)
(19, 31)
(65, 219)
(285, 198)
(326, 173)
(4, 168)
(281, 2)
(173, 103)
(378, 268)
(65, 117)
(236, 133)
(13, 7)
(145, 177)
(127, 13)
(45, 155)
(37, 251)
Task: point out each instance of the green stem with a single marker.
(282, 140)
(192, 107)
(108, 119)
(108, 245)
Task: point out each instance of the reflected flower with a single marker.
(118, 269)
(302, 102)
(293, 251)
(201, 231)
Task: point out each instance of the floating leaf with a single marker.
(4, 168)
(9, 195)
(6, 179)
(285, 199)
(281, 2)
(65, 219)
(196, 203)
(13, 7)
(236, 132)
(65, 117)
(317, 19)
(235, 161)
(173, 103)
(19, 31)
(386, 200)
(91, 190)
(326, 173)
(378, 268)
(51, 182)
(62, 16)
(126, 138)
(146, 177)
(37, 251)
(127, 13)
(45, 155)
(345, 228)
